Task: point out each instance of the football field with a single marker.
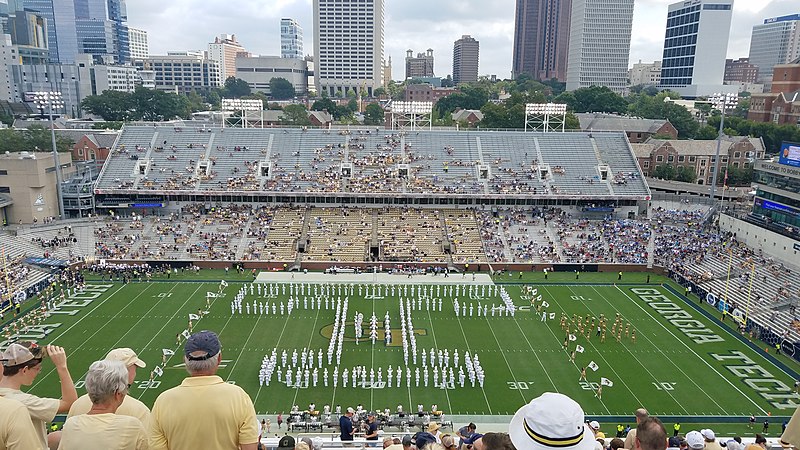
(681, 363)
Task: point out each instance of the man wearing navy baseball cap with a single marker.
(204, 411)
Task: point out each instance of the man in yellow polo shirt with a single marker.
(16, 428)
(204, 411)
(130, 406)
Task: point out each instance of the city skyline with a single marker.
(258, 28)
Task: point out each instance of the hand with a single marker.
(58, 356)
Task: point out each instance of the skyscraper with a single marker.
(599, 44)
(348, 45)
(102, 30)
(466, 53)
(224, 50)
(695, 46)
(420, 66)
(138, 43)
(541, 38)
(62, 37)
(776, 41)
(291, 39)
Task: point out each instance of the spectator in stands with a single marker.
(651, 435)
(710, 440)
(130, 406)
(495, 441)
(546, 419)
(16, 428)
(695, 440)
(346, 426)
(465, 433)
(22, 362)
(101, 428)
(372, 427)
(630, 439)
(204, 411)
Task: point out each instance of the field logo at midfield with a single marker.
(680, 319)
(349, 334)
(70, 307)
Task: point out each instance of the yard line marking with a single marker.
(49, 372)
(458, 319)
(563, 311)
(678, 366)
(277, 345)
(435, 344)
(310, 338)
(546, 372)
(692, 350)
(629, 352)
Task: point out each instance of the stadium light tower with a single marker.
(722, 102)
(51, 100)
(545, 116)
(245, 106)
(411, 114)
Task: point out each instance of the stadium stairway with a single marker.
(244, 240)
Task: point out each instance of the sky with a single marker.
(410, 24)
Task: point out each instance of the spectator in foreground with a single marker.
(695, 440)
(630, 438)
(130, 406)
(495, 441)
(16, 427)
(465, 433)
(22, 362)
(346, 427)
(710, 440)
(651, 435)
(101, 428)
(791, 436)
(204, 411)
(549, 422)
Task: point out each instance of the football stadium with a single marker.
(425, 278)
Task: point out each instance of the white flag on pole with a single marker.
(186, 334)
(552, 316)
(545, 304)
(579, 349)
(194, 317)
(167, 352)
(606, 382)
(211, 295)
(593, 365)
(158, 371)
(535, 291)
(223, 283)
(572, 338)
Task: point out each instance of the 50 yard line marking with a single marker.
(691, 350)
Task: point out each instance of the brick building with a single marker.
(426, 93)
(637, 129)
(740, 71)
(782, 104)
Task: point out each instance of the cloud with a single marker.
(410, 24)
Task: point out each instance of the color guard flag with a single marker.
(606, 382)
(579, 349)
(223, 283)
(167, 352)
(593, 365)
(186, 334)
(194, 317)
(545, 305)
(211, 295)
(552, 316)
(158, 371)
(572, 338)
(535, 291)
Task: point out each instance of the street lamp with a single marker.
(52, 100)
(722, 102)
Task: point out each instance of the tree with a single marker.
(665, 172)
(281, 89)
(685, 174)
(448, 81)
(352, 105)
(6, 119)
(325, 104)
(469, 97)
(35, 138)
(152, 105)
(295, 115)
(706, 132)
(110, 105)
(236, 88)
(373, 114)
(594, 99)
(379, 92)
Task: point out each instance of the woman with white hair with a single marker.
(101, 428)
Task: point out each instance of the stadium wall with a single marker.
(775, 245)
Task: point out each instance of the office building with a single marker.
(182, 71)
(28, 32)
(95, 78)
(30, 181)
(349, 46)
(645, 73)
(224, 50)
(466, 53)
(291, 39)
(140, 49)
(695, 47)
(102, 30)
(258, 71)
(420, 66)
(776, 41)
(599, 44)
(62, 36)
(424, 92)
(740, 71)
(541, 39)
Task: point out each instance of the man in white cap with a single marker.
(551, 422)
(710, 440)
(22, 362)
(130, 406)
(695, 440)
(204, 411)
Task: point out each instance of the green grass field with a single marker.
(682, 364)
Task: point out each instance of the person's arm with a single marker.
(68, 392)
(253, 446)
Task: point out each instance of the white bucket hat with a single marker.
(551, 422)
